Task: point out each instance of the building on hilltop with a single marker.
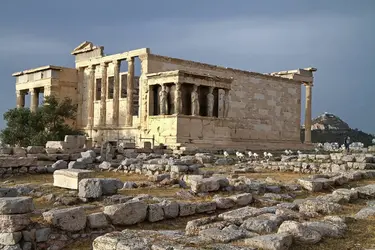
(177, 102)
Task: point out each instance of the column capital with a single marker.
(104, 64)
(91, 67)
(130, 59)
(32, 91)
(310, 84)
(116, 62)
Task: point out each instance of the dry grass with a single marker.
(38, 179)
(153, 191)
(48, 178)
(123, 177)
(83, 244)
(284, 177)
(360, 235)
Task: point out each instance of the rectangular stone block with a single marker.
(55, 144)
(35, 150)
(11, 162)
(8, 192)
(14, 222)
(147, 145)
(69, 178)
(74, 141)
(128, 145)
(10, 239)
(16, 205)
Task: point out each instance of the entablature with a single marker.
(182, 76)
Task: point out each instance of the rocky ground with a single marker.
(203, 201)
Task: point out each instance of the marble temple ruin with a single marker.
(178, 103)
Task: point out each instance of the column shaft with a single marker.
(34, 99)
(103, 97)
(91, 87)
(20, 99)
(116, 92)
(308, 113)
(130, 87)
(81, 73)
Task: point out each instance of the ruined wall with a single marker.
(261, 107)
(164, 128)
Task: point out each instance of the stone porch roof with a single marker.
(185, 73)
(29, 71)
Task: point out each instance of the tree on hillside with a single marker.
(26, 128)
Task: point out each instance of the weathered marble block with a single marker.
(9, 162)
(69, 178)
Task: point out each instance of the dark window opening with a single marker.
(171, 99)
(186, 98)
(111, 81)
(155, 91)
(203, 92)
(124, 85)
(98, 87)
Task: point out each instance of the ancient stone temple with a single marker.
(177, 102)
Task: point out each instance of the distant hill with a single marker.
(330, 128)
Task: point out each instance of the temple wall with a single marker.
(164, 128)
(261, 107)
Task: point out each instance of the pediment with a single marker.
(83, 47)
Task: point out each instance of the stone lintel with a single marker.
(182, 76)
(300, 75)
(111, 58)
(29, 71)
(185, 73)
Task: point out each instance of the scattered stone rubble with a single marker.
(254, 213)
(275, 227)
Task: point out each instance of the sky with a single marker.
(337, 37)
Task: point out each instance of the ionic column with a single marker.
(91, 87)
(20, 99)
(103, 96)
(116, 92)
(81, 73)
(129, 91)
(34, 99)
(308, 113)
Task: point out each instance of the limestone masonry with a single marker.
(175, 102)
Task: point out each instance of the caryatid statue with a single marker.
(226, 103)
(178, 99)
(210, 102)
(163, 95)
(195, 101)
